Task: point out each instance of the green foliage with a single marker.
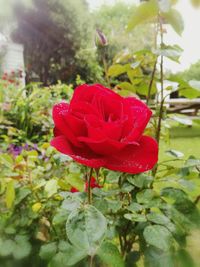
(158, 236)
(149, 11)
(131, 220)
(109, 255)
(174, 18)
(86, 229)
(193, 73)
(27, 112)
(145, 12)
(171, 52)
(112, 20)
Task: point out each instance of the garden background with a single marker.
(152, 218)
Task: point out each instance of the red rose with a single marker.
(74, 190)
(93, 184)
(99, 128)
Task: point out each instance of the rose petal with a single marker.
(56, 132)
(135, 159)
(112, 130)
(60, 111)
(82, 155)
(76, 125)
(86, 93)
(98, 129)
(80, 109)
(108, 109)
(102, 147)
(74, 190)
(139, 115)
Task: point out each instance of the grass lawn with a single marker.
(186, 140)
(183, 139)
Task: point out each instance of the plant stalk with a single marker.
(158, 130)
(151, 81)
(89, 186)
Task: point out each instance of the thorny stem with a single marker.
(89, 186)
(162, 86)
(151, 81)
(155, 63)
(158, 130)
(105, 65)
(106, 69)
(97, 174)
(126, 242)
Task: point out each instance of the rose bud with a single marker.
(101, 39)
(93, 184)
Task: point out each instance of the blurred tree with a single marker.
(112, 21)
(193, 73)
(54, 32)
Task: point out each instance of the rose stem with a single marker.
(155, 63)
(89, 186)
(158, 130)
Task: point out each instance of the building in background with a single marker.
(11, 57)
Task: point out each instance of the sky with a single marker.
(190, 39)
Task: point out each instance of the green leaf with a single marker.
(71, 204)
(135, 217)
(184, 87)
(112, 177)
(140, 180)
(6, 247)
(109, 255)
(195, 84)
(157, 258)
(135, 64)
(183, 204)
(22, 247)
(60, 217)
(10, 194)
(47, 251)
(116, 70)
(143, 88)
(86, 229)
(191, 162)
(134, 207)
(169, 51)
(174, 153)
(185, 259)
(189, 92)
(178, 218)
(143, 13)
(51, 187)
(114, 205)
(174, 18)
(76, 181)
(7, 160)
(145, 196)
(158, 236)
(127, 86)
(158, 218)
(67, 256)
(21, 194)
(101, 204)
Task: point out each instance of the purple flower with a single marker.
(15, 150)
